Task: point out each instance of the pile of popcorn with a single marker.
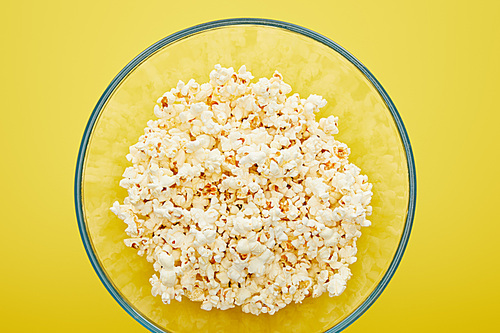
(238, 196)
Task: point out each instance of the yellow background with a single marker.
(438, 60)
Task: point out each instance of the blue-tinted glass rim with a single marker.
(217, 24)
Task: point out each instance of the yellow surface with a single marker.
(438, 60)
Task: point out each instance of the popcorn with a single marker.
(238, 197)
(329, 125)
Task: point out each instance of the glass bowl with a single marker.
(311, 63)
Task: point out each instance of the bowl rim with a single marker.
(219, 24)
